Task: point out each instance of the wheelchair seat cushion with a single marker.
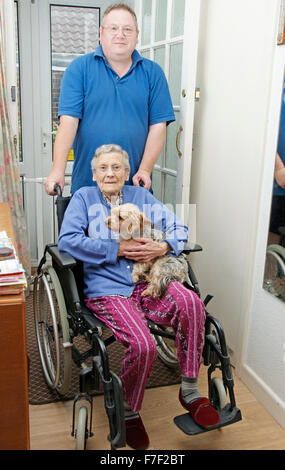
(90, 319)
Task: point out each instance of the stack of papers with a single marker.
(12, 275)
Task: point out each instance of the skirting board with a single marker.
(271, 402)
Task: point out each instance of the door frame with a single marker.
(187, 110)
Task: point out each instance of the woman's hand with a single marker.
(142, 249)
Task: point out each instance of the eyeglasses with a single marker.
(113, 30)
(105, 168)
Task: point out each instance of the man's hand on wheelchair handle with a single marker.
(51, 181)
(142, 178)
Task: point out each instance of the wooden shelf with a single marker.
(14, 390)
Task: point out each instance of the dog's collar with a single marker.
(117, 202)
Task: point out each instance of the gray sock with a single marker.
(129, 414)
(189, 388)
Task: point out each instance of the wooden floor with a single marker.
(51, 424)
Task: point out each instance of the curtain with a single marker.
(10, 188)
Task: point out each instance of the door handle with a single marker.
(177, 141)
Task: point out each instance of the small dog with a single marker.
(129, 222)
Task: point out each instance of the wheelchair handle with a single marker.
(57, 189)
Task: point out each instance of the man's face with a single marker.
(110, 173)
(118, 35)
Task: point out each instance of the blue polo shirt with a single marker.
(112, 109)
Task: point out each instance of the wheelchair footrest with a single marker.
(227, 416)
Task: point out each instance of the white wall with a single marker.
(235, 67)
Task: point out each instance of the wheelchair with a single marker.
(274, 273)
(61, 315)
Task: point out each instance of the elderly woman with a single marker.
(118, 302)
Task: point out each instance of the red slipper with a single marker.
(201, 411)
(136, 435)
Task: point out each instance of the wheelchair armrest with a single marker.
(62, 258)
(65, 260)
(190, 247)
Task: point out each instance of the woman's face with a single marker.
(110, 173)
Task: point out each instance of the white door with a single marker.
(169, 32)
(50, 35)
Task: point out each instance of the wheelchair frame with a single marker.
(274, 274)
(59, 278)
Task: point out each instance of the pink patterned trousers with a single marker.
(179, 308)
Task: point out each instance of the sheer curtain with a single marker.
(10, 189)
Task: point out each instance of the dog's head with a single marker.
(128, 221)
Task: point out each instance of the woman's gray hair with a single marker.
(109, 148)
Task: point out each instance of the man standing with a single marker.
(112, 95)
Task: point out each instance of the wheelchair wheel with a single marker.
(218, 395)
(167, 349)
(82, 430)
(274, 274)
(52, 330)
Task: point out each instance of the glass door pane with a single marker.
(177, 21)
(175, 69)
(74, 32)
(160, 20)
(159, 56)
(170, 190)
(146, 22)
(170, 151)
(162, 26)
(156, 184)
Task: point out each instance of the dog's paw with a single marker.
(146, 293)
(151, 292)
